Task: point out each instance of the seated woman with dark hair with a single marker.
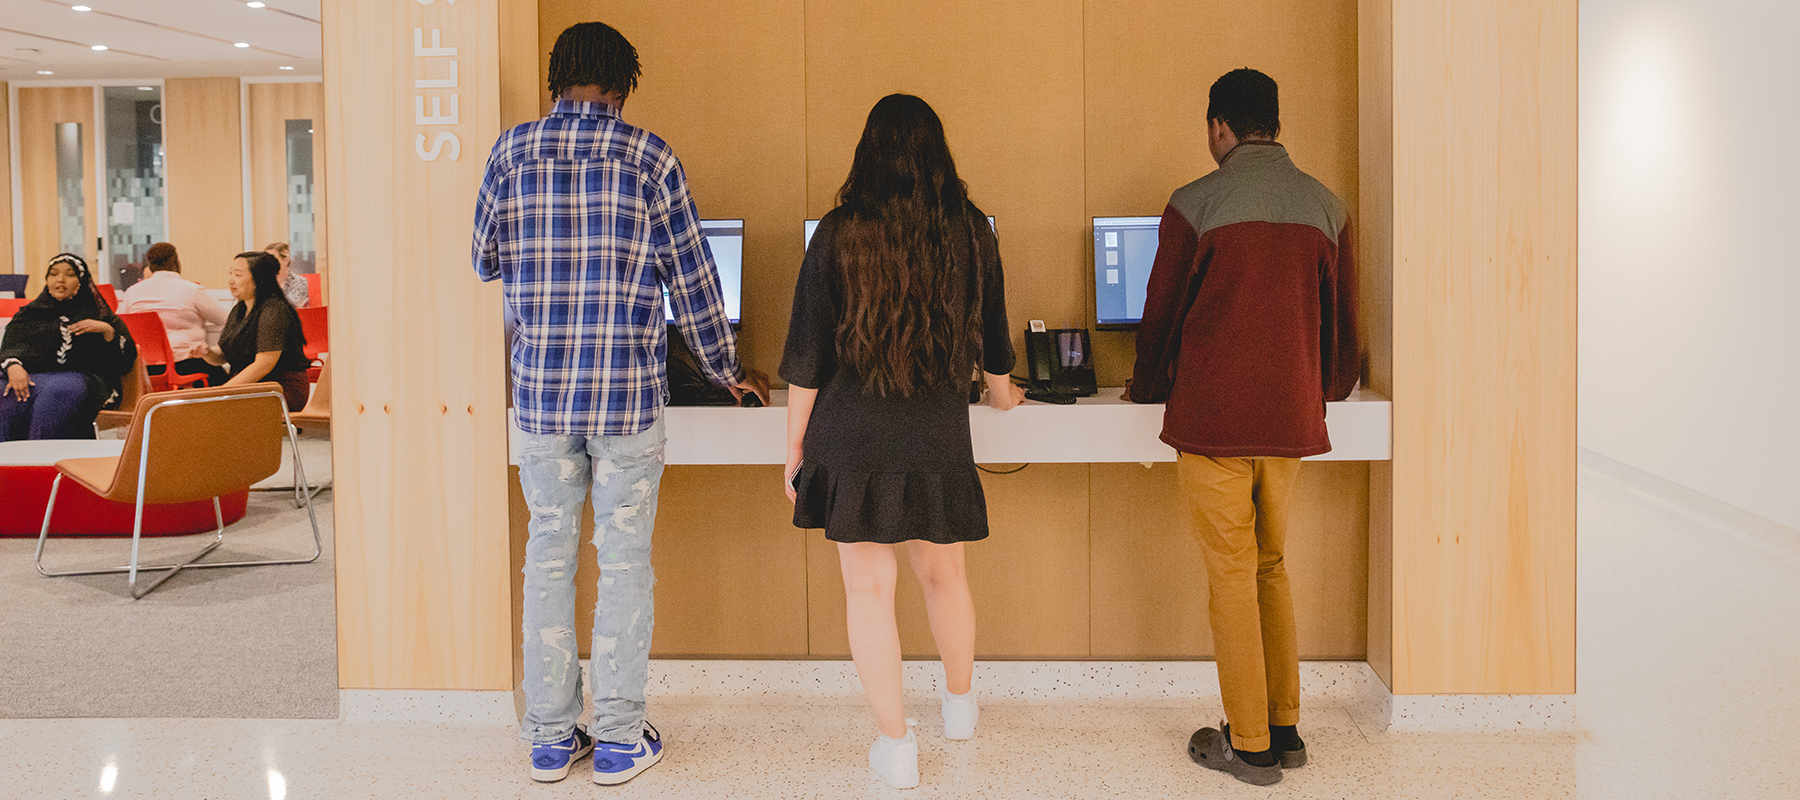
(63, 355)
(183, 306)
(262, 339)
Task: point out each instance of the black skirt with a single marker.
(890, 470)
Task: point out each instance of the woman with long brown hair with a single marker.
(899, 300)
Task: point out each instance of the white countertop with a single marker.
(1103, 428)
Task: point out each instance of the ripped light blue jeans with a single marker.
(625, 473)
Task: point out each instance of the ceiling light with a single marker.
(45, 72)
(79, 8)
(146, 89)
(284, 67)
(255, 5)
(98, 47)
(240, 44)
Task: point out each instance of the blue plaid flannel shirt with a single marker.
(584, 219)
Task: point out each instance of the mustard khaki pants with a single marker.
(1240, 517)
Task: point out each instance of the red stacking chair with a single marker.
(318, 337)
(9, 307)
(315, 294)
(153, 348)
(110, 293)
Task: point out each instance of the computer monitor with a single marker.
(1124, 249)
(725, 238)
(813, 225)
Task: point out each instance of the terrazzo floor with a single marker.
(1688, 640)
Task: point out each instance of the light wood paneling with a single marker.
(1006, 78)
(271, 106)
(1029, 578)
(421, 452)
(1375, 268)
(1149, 66)
(1149, 579)
(1484, 346)
(203, 140)
(6, 207)
(39, 110)
(724, 85)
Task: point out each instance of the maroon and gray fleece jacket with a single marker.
(1249, 321)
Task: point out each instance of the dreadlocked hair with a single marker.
(912, 298)
(593, 53)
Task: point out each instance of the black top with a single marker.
(888, 468)
(38, 338)
(274, 325)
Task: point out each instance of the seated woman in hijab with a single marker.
(63, 356)
(262, 339)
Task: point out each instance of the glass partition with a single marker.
(135, 210)
(303, 206)
(71, 199)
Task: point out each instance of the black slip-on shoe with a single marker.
(1211, 748)
(1293, 759)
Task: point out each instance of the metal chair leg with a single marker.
(189, 563)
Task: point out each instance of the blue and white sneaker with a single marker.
(616, 763)
(551, 762)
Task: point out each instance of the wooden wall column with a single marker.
(1469, 182)
(203, 132)
(40, 108)
(7, 262)
(420, 431)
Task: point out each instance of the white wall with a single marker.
(1690, 245)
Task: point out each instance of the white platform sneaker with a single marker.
(960, 714)
(896, 761)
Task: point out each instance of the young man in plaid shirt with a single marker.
(585, 219)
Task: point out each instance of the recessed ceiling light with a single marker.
(255, 5)
(98, 47)
(45, 72)
(79, 8)
(241, 44)
(146, 89)
(284, 67)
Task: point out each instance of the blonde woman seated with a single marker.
(292, 283)
(184, 307)
(262, 339)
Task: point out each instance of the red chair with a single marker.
(110, 293)
(153, 348)
(315, 290)
(9, 307)
(318, 337)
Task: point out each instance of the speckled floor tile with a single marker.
(1688, 639)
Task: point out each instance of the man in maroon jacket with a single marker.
(1249, 327)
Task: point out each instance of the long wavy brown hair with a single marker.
(912, 298)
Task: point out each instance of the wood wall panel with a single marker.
(7, 260)
(39, 109)
(1149, 578)
(1006, 78)
(1375, 263)
(1029, 578)
(271, 106)
(1484, 346)
(203, 142)
(420, 453)
(1149, 67)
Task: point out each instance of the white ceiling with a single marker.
(157, 39)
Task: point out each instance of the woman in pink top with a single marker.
(184, 306)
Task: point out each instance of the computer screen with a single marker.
(1124, 249)
(725, 238)
(813, 225)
